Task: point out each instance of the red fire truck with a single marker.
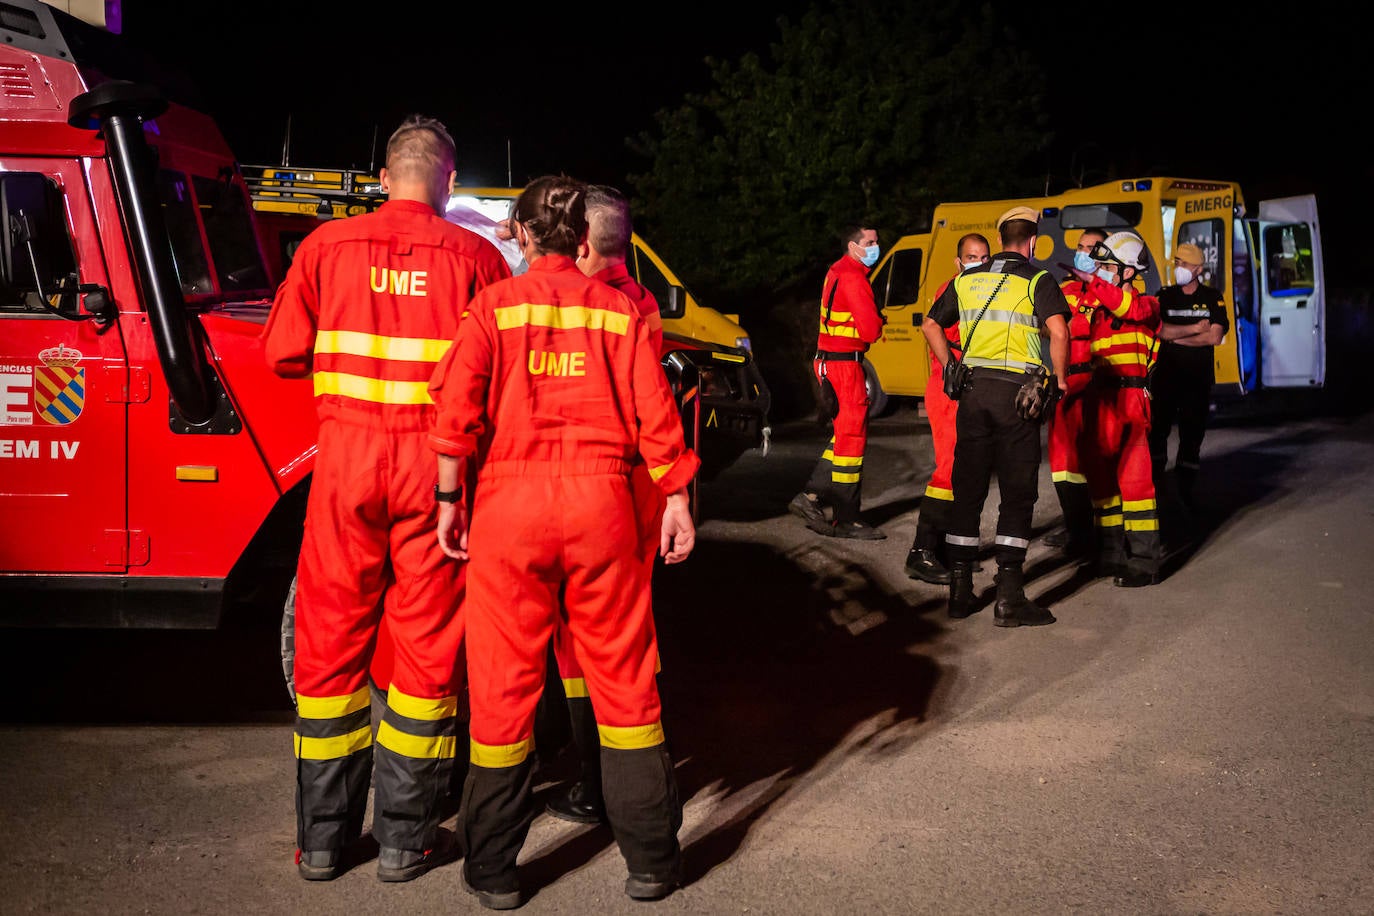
(153, 471)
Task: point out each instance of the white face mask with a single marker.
(1183, 276)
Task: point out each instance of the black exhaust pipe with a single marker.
(118, 109)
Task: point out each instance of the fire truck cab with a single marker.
(1267, 265)
(154, 468)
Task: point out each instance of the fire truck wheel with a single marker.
(288, 657)
(288, 641)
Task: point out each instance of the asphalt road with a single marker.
(1205, 745)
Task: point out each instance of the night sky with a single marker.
(1208, 91)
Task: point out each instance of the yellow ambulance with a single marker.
(1267, 264)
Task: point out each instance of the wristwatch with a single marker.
(447, 496)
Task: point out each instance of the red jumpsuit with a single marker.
(1116, 424)
(849, 323)
(649, 503)
(368, 307)
(933, 520)
(1066, 421)
(554, 389)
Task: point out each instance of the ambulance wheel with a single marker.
(288, 641)
(877, 397)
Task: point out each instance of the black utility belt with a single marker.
(1121, 381)
(837, 356)
(1079, 368)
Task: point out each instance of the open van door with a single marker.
(1292, 294)
(897, 363)
(1205, 219)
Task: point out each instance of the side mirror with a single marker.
(676, 304)
(99, 306)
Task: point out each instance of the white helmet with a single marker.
(1125, 248)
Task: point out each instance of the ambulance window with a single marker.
(652, 278)
(1125, 215)
(899, 282)
(33, 229)
(229, 229)
(183, 230)
(1242, 287)
(1288, 260)
(1210, 236)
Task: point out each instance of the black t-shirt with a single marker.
(1177, 307)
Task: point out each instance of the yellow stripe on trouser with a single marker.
(575, 688)
(632, 737)
(935, 492)
(424, 708)
(1108, 512)
(332, 707)
(498, 756)
(418, 747)
(855, 464)
(333, 748)
(1068, 477)
(1141, 515)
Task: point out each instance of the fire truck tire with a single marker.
(877, 397)
(288, 641)
(288, 657)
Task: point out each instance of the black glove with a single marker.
(1037, 394)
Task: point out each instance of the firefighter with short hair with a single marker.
(1066, 420)
(1116, 415)
(602, 257)
(926, 559)
(553, 390)
(368, 307)
(850, 321)
(1004, 305)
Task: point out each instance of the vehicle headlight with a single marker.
(743, 343)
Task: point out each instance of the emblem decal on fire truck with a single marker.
(59, 385)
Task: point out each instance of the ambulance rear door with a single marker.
(1292, 294)
(1205, 219)
(898, 359)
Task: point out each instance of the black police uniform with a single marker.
(1181, 385)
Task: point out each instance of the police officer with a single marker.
(1193, 321)
(1006, 305)
(850, 321)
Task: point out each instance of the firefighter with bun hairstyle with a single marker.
(369, 306)
(553, 390)
(1116, 415)
(1066, 421)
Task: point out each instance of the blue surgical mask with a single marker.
(870, 256)
(1083, 262)
(1106, 276)
(969, 265)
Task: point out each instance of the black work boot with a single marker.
(583, 803)
(925, 565)
(960, 589)
(1013, 608)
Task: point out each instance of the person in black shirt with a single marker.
(1193, 321)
